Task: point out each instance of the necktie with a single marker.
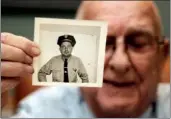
(66, 71)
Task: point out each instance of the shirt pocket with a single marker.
(56, 75)
(73, 75)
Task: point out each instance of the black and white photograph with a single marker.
(72, 52)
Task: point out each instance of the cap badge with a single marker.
(65, 36)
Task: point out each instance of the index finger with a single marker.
(20, 42)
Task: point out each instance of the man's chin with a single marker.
(117, 102)
(67, 55)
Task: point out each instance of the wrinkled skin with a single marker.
(132, 61)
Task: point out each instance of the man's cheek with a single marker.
(146, 70)
(144, 65)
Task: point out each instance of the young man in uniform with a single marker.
(65, 67)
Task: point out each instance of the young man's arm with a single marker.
(82, 72)
(45, 70)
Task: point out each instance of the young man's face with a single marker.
(132, 63)
(66, 49)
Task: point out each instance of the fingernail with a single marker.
(35, 45)
(36, 51)
(30, 69)
(2, 37)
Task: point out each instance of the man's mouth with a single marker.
(66, 52)
(119, 84)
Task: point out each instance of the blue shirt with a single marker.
(67, 102)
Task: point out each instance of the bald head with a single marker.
(92, 9)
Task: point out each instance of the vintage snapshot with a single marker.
(72, 52)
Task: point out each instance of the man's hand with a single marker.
(17, 55)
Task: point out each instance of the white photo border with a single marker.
(101, 51)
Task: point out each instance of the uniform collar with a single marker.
(64, 58)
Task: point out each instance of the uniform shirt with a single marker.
(56, 66)
(68, 102)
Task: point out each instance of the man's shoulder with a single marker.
(51, 100)
(56, 57)
(163, 100)
(75, 58)
(51, 93)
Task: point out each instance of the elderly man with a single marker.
(65, 67)
(135, 51)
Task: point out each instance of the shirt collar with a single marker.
(64, 58)
(147, 113)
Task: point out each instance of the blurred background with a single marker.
(17, 16)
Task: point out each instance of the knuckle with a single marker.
(2, 68)
(7, 35)
(5, 52)
(2, 49)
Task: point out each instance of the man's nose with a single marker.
(119, 61)
(66, 48)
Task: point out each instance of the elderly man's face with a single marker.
(66, 49)
(131, 60)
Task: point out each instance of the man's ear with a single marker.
(165, 51)
(165, 60)
(165, 48)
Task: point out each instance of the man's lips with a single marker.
(119, 84)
